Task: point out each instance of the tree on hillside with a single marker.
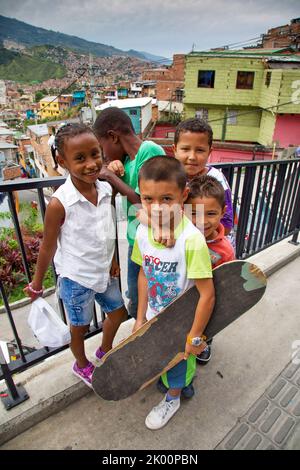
(38, 96)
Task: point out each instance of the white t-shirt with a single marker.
(171, 271)
(86, 243)
(51, 140)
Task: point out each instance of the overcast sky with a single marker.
(161, 27)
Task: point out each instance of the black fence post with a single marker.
(248, 184)
(15, 394)
(295, 219)
(274, 202)
(294, 240)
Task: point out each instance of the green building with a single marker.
(243, 94)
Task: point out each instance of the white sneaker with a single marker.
(162, 413)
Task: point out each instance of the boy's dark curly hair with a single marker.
(113, 119)
(194, 125)
(207, 186)
(163, 168)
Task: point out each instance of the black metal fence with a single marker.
(266, 204)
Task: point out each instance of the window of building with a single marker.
(202, 113)
(245, 80)
(179, 95)
(232, 117)
(170, 135)
(268, 78)
(206, 79)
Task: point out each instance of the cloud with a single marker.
(159, 26)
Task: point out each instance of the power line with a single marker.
(254, 110)
(65, 89)
(234, 44)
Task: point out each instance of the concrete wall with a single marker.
(287, 130)
(247, 125)
(267, 127)
(224, 91)
(146, 116)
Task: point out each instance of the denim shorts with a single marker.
(79, 300)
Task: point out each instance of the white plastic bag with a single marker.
(48, 328)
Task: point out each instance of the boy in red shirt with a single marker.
(208, 196)
(206, 193)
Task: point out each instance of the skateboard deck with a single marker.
(160, 343)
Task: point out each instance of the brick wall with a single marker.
(168, 79)
(283, 36)
(165, 90)
(10, 173)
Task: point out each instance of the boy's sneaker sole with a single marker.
(203, 358)
(153, 424)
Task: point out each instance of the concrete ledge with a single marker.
(276, 257)
(51, 385)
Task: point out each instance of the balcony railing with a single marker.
(266, 204)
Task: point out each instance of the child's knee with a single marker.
(78, 331)
(119, 315)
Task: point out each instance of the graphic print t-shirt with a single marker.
(171, 271)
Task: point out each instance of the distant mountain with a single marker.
(28, 35)
(156, 58)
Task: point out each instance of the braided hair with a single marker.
(68, 131)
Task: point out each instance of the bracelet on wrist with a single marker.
(37, 292)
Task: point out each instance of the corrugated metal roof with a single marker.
(39, 129)
(126, 103)
(49, 98)
(5, 131)
(284, 58)
(269, 54)
(7, 145)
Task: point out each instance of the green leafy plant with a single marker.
(12, 272)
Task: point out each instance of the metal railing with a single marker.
(266, 204)
(14, 394)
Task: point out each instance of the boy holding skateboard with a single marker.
(167, 272)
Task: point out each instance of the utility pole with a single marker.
(224, 127)
(91, 76)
